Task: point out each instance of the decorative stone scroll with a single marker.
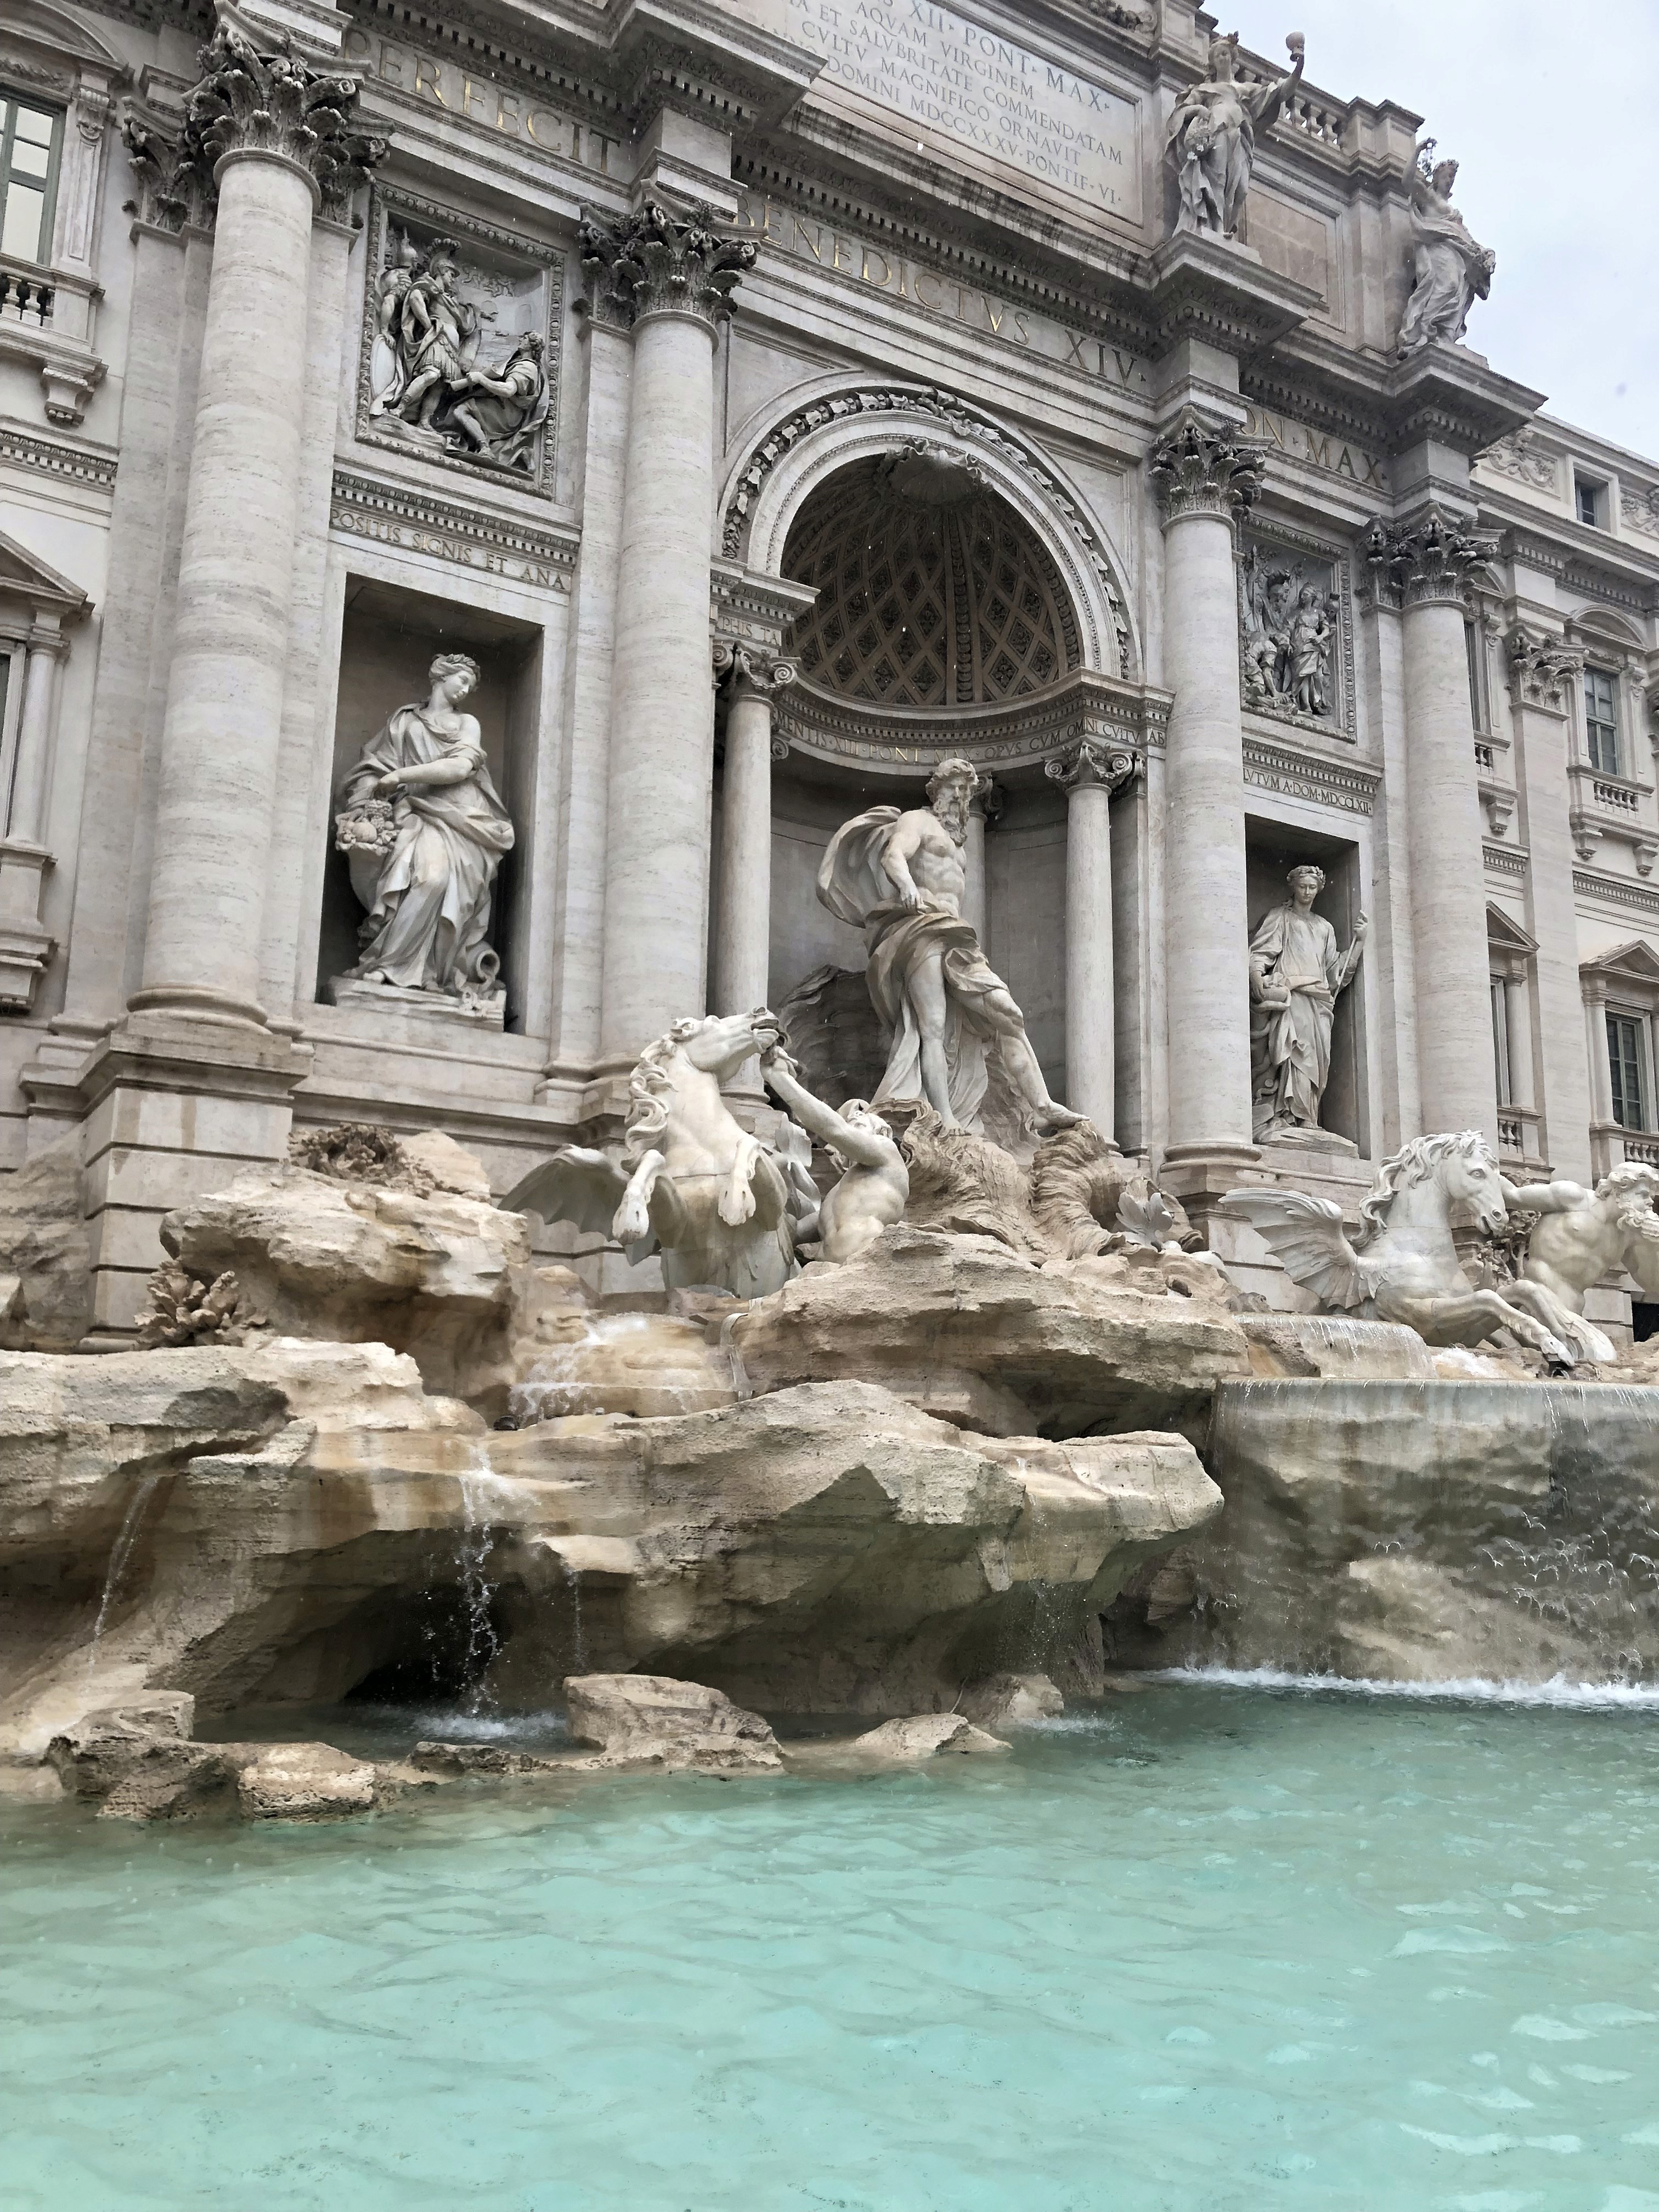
(1204, 468)
(460, 348)
(654, 264)
(1088, 763)
(1521, 456)
(1427, 559)
(1540, 668)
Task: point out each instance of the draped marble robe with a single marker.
(428, 898)
(1294, 952)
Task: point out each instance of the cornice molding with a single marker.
(1347, 786)
(400, 516)
(24, 449)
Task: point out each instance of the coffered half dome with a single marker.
(933, 592)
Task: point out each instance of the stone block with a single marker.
(304, 1782)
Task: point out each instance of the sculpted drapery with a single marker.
(1296, 976)
(424, 832)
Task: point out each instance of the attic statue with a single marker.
(899, 875)
(1450, 271)
(1211, 141)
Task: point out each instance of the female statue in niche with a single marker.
(1296, 976)
(424, 832)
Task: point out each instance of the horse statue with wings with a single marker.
(1403, 1265)
(692, 1183)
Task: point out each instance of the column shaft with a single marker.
(1206, 932)
(27, 816)
(656, 889)
(743, 951)
(1449, 906)
(223, 728)
(1090, 1038)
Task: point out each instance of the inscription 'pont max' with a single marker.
(946, 76)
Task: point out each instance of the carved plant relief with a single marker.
(1293, 626)
(460, 341)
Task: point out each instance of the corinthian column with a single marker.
(1422, 566)
(1090, 775)
(743, 915)
(274, 139)
(673, 280)
(1206, 476)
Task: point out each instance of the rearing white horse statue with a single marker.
(692, 1181)
(1404, 1265)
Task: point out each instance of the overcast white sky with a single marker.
(1551, 112)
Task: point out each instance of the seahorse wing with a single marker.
(1304, 1235)
(574, 1185)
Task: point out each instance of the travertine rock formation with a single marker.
(651, 1720)
(906, 1742)
(290, 1521)
(1420, 1532)
(419, 1259)
(970, 1330)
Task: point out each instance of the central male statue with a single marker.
(900, 878)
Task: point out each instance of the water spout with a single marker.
(119, 1554)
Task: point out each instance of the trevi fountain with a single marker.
(1027, 1578)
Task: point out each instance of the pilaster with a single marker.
(1089, 774)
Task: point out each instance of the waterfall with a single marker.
(121, 1549)
(477, 1591)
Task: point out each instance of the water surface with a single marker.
(1217, 1948)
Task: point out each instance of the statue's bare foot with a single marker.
(1055, 1117)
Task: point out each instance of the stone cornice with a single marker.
(1347, 786)
(1202, 287)
(1087, 708)
(409, 519)
(26, 449)
(753, 609)
(1616, 890)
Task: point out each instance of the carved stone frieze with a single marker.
(1295, 631)
(1522, 456)
(275, 103)
(1206, 468)
(654, 262)
(1638, 508)
(1541, 669)
(1343, 785)
(1090, 764)
(1425, 561)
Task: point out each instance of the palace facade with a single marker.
(767, 400)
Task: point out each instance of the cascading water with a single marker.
(477, 1591)
(120, 1551)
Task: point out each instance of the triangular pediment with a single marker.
(1634, 963)
(24, 575)
(1505, 935)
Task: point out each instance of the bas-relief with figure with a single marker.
(426, 379)
(424, 834)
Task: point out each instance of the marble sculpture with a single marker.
(1296, 976)
(874, 1184)
(899, 875)
(1210, 143)
(1450, 271)
(1404, 1265)
(423, 830)
(424, 370)
(1288, 622)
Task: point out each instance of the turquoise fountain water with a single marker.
(1219, 1946)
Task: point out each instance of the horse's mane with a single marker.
(1413, 1164)
(650, 1086)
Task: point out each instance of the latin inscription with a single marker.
(974, 92)
(438, 545)
(1313, 446)
(886, 270)
(473, 98)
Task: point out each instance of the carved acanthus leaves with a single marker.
(751, 672)
(1427, 559)
(1206, 468)
(170, 189)
(278, 104)
(655, 263)
(1540, 668)
(1089, 765)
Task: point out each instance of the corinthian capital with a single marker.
(748, 670)
(1426, 560)
(1540, 668)
(1090, 766)
(1206, 468)
(655, 263)
(248, 102)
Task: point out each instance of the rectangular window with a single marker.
(1602, 720)
(1500, 1040)
(1625, 1058)
(31, 139)
(1591, 498)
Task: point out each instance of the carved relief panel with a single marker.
(1295, 631)
(460, 350)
